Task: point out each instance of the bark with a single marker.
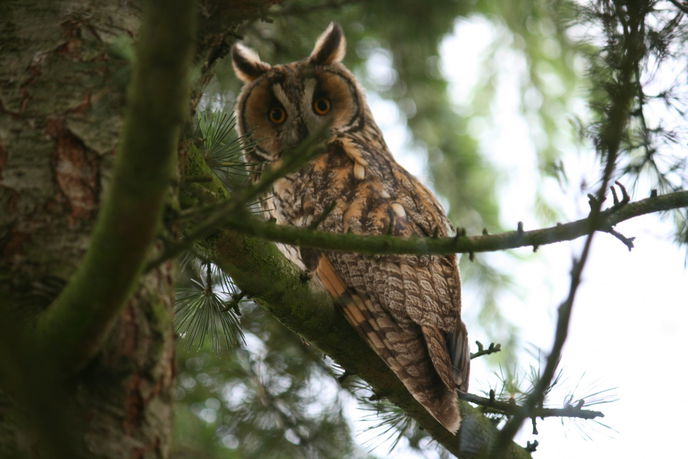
(61, 114)
(64, 70)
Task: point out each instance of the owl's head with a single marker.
(281, 105)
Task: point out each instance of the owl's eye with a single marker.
(277, 115)
(322, 106)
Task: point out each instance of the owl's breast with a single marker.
(313, 191)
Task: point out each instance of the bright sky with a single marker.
(630, 318)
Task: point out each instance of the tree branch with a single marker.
(605, 221)
(492, 349)
(74, 327)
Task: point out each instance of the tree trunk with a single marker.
(64, 70)
(63, 79)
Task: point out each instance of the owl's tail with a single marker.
(405, 353)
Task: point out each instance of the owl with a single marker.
(406, 307)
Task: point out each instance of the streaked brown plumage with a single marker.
(407, 307)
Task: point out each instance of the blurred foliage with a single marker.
(277, 397)
(652, 150)
(276, 400)
(652, 155)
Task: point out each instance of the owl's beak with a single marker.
(302, 132)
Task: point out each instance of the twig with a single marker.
(491, 405)
(532, 446)
(628, 241)
(492, 349)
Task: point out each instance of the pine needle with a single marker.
(208, 310)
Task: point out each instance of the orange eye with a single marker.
(322, 106)
(277, 115)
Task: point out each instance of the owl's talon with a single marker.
(305, 277)
(343, 377)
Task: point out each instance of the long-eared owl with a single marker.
(406, 307)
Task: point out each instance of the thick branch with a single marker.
(462, 244)
(74, 327)
(261, 272)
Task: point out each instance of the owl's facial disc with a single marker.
(282, 105)
(291, 102)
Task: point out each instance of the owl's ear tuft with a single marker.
(330, 47)
(247, 64)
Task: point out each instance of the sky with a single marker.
(630, 318)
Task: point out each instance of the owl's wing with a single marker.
(438, 278)
(402, 348)
(407, 307)
(431, 284)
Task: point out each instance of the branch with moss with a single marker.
(263, 274)
(72, 330)
(461, 243)
(217, 214)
